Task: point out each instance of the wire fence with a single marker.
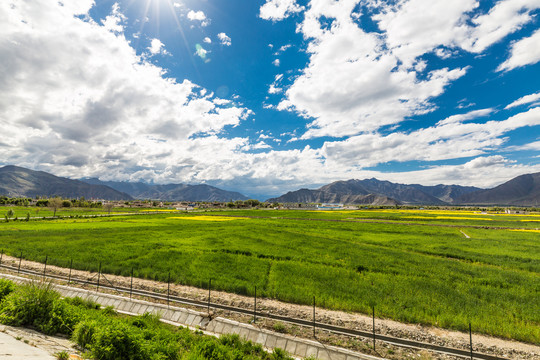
(92, 276)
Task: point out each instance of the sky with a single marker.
(269, 96)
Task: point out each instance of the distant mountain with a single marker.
(18, 181)
(406, 194)
(379, 192)
(523, 190)
(447, 193)
(170, 192)
(323, 196)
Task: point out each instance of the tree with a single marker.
(54, 204)
(108, 206)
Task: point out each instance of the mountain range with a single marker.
(170, 192)
(18, 182)
(521, 191)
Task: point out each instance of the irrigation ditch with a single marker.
(100, 282)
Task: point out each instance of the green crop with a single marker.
(418, 271)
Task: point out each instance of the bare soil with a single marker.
(429, 334)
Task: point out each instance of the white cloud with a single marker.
(207, 40)
(76, 110)
(527, 99)
(279, 9)
(352, 84)
(156, 47)
(224, 39)
(530, 146)
(357, 81)
(274, 90)
(506, 17)
(444, 141)
(523, 52)
(113, 22)
(276, 62)
(411, 32)
(198, 16)
(467, 116)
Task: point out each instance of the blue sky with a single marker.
(269, 96)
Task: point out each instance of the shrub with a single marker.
(117, 340)
(83, 303)
(6, 287)
(38, 305)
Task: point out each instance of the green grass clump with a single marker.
(37, 305)
(6, 288)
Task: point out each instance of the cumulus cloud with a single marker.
(156, 47)
(207, 40)
(444, 141)
(89, 102)
(224, 39)
(506, 17)
(523, 52)
(358, 81)
(198, 16)
(274, 90)
(279, 9)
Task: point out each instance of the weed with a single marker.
(62, 355)
(279, 327)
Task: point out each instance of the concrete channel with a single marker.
(196, 320)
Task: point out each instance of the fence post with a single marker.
(373, 312)
(131, 284)
(1, 256)
(313, 316)
(20, 259)
(99, 275)
(45, 267)
(470, 340)
(255, 306)
(70, 266)
(209, 290)
(168, 287)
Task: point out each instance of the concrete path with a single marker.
(11, 349)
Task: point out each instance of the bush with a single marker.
(38, 305)
(83, 303)
(117, 340)
(84, 332)
(6, 288)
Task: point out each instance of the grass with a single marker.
(105, 335)
(409, 271)
(20, 212)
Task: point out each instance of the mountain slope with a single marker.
(406, 194)
(446, 193)
(523, 190)
(321, 196)
(171, 192)
(18, 181)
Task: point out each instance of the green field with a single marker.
(408, 264)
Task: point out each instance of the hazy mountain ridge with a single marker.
(523, 190)
(380, 192)
(321, 196)
(17, 182)
(171, 192)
